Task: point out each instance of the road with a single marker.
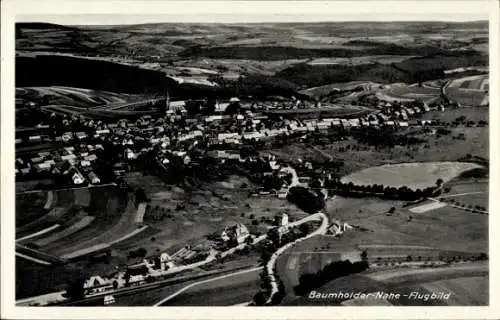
(271, 264)
(234, 288)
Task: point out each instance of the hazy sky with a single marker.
(133, 12)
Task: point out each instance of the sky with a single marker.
(135, 12)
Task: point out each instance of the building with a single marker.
(238, 233)
(76, 176)
(94, 178)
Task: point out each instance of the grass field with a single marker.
(191, 215)
(402, 92)
(29, 207)
(413, 175)
(479, 82)
(449, 115)
(445, 228)
(405, 281)
(464, 291)
(79, 97)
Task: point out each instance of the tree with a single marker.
(75, 291)
(439, 182)
(364, 256)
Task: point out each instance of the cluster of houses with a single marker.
(75, 164)
(174, 135)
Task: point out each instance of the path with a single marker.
(271, 264)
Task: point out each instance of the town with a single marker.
(267, 172)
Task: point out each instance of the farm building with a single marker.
(76, 176)
(94, 178)
(237, 233)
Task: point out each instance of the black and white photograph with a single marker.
(201, 160)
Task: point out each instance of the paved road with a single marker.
(271, 264)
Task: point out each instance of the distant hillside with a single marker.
(409, 71)
(42, 25)
(47, 70)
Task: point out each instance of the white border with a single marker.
(244, 11)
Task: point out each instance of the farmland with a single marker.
(78, 97)
(407, 281)
(190, 215)
(402, 92)
(413, 175)
(469, 91)
(179, 185)
(479, 83)
(445, 228)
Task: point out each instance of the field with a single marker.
(449, 115)
(305, 55)
(30, 206)
(78, 97)
(469, 91)
(413, 175)
(472, 192)
(479, 83)
(342, 86)
(327, 111)
(445, 228)
(384, 59)
(450, 280)
(465, 291)
(191, 215)
(403, 92)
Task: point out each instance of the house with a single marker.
(95, 281)
(94, 178)
(81, 135)
(283, 193)
(130, 155)
(35, 139)
(90, 157)
(85, 163)
(68, 157)
(42, 167)
(238, 233)
(36, 160)
(76, 176)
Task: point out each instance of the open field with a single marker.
(59, 211)
(403, 92)
(445, 228)
(449, 115)
(34, 279)
(30, 207)
(385, 59)
(349, 111)
(438, 148)
(79, 97)
(342, 86)
(223, 292)
(479, 83)
(468, 98)
(406, 281)
(413, 175)
(191, 215)
(464, 291)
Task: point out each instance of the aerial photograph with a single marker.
(334, 163)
